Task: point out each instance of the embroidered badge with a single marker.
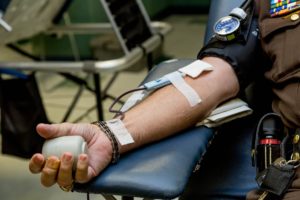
(283, 7)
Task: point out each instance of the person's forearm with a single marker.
(162, 114)
(167, 111)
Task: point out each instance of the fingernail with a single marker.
(53, 163)
(39, 160)
(83, 157)
(67, 157)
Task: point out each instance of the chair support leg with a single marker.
(73, 103)
(97, 84)
(108, 85)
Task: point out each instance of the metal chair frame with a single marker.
(95, 67)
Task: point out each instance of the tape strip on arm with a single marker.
(120, 131)
(187, 91)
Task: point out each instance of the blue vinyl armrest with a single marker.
(160, 170)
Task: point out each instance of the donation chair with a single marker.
(208, 163)
(140, 39)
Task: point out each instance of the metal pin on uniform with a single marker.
(294, 17)
(296, 139)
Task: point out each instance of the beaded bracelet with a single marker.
(115, 147)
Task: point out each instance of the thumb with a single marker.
(48, 131)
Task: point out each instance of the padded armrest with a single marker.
(159, 170)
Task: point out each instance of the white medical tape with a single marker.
(120, 131)
(179, 83)
(133, 100)
(196, 68)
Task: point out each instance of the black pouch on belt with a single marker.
(268, 141)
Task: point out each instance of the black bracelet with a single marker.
(115, 146)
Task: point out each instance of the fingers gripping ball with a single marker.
(58, 146)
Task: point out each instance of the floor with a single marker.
(16, 182)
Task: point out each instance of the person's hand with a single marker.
(59, 170)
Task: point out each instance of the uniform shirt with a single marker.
(280, 37)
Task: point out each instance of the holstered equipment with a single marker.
(276, 157)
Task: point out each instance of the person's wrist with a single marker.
(105, 147)
(113, 148)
